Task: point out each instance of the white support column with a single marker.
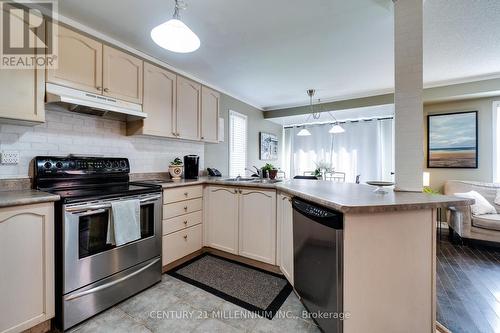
(409, 129)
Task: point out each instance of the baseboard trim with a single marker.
(230, 256)
(43, 327)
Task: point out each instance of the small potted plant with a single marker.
(175, 168)
(271, 171)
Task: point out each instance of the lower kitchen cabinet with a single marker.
(242, 221)
(257, 225)
(181, 243)
(221, 227)
(182, 226)
(27, 266)
(285, 236)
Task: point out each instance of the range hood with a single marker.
(84, 102)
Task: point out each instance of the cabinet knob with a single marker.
(185, 208)
(106, 89)
(99, 88)
(235, 191)
(185, 237)
(203, 138)
(186, 194)
(185, 222)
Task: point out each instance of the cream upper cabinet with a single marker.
(188, 109)
(285, 236)
(221, 226)
(79, 62)
(209, 114)
(22, 92)
(159, 102)
(257, 224)
(27, 266)
(22, 95)
(122, 75)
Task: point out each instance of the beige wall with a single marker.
(217, 155)
(484, 172)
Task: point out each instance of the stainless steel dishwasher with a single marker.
(318, 269)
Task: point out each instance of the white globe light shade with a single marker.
(175, 36)
(336, 129)
(304, 132)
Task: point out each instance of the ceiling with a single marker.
(379, 111)
(268, 53)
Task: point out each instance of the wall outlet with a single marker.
(9, 157)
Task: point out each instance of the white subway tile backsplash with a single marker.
(67, 133)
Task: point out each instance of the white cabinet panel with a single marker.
(285, 237)
(257, 225)
(222, 218)
(209, 115)
(27, 266)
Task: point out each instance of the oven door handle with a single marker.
(91, 212)
(106, 205)
(110, 284)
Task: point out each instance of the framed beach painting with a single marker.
(268, 146)
(452, 140)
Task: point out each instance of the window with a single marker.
(237, 144)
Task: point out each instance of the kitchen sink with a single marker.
(239, 179)
(267, 181)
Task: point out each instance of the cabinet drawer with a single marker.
(181, 243)
(182, 207)
(181, 222)
(182, 193)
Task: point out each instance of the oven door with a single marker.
(88, 256)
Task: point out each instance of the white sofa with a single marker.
(464, 223)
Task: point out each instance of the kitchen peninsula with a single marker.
(253, 219)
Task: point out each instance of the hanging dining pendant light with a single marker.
(174, 35)
(336, 129)
(304, 132)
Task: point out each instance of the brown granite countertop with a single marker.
(25, 197)
(344, 197)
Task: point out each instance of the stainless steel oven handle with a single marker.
(106, 205)
(91, 212)
(110, 284)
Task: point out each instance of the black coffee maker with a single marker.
(191, 166)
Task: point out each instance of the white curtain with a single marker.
(365, 149)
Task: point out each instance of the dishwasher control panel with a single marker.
(319, 214)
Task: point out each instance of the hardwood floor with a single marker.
(468, 287)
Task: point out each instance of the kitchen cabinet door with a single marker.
(221, 225)
(122, 75)
(209, 115)
(285, 236)
(159, 103)
(257, 225)
(27, 266)
(22, 94)
(79, 62)
(188, 109)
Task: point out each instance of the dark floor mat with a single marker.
(251, 288)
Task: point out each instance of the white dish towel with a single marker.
(125, 223)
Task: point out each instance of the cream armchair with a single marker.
(464, 223)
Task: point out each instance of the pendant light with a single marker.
(336, 129)
(174, 35)
(304, 132)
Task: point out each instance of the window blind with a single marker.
(237, 144)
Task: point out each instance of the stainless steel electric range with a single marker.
(92, 274)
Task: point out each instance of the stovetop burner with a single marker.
(83, 178)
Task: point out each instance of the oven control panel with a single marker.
(50, 165)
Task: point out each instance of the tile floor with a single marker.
(175, 306)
